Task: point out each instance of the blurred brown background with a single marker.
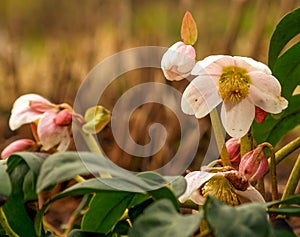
(48, 47)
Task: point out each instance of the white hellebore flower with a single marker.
(52, 120)
(241, 83)
(227, 186)
(178, 62)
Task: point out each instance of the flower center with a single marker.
(234, 84)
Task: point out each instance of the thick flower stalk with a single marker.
(241, 84)
(50, 122)
(178, 62)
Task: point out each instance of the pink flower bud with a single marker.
(233, 148)
(19, 145)
(63, 118)
(178, 62)
(260, 115)
(254, 164)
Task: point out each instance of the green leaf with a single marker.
(178, 184)
(160, 193)
(189, 33)
(247, 220)
(5, 187)
(103, 185)
(286, 29)
(66, 165)
(288, 211)
(287, 70)
(294, 199)
(81, 233)
(105, 210)
(162, 219)
(275, 127)
(14, 208)
(96, 119)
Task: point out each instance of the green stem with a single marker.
(247, 143)
(93, 146)
(292, 181)
(220, 137)
(287, 149)
(3, 221)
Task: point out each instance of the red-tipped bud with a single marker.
(254, 164)
(16, 146)
(233, 147)
(260, 115)
(63, 118)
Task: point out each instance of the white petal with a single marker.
(252, 65)
(19, 118)
(250, 195)
(268, 102)
(200, 97)
(201, 65)
(194, 181)
(22, 113)
(266, 83)
(265, 92)
(237, 117)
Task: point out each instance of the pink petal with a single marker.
(194, 181)
(237, 117)
(200, 97)
(51, 134)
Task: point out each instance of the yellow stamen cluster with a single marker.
(234, 84)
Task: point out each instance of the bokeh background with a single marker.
(48, 47)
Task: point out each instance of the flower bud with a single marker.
(178, 62)
(260, 115)
(233, 149)
(63, 118)
(19, 145)
(254, 164)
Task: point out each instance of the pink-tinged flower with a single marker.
(241, 83)
(29, 108)
(233, 146)
(254, 164)
(16, 146)
(178, 62)
(52, 121)
(227, 186)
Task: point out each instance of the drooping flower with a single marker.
(178, 62)
(254, 164)
(229, 186)
(52, 121)
(16, 146)
(241, 83)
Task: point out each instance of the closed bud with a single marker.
(254, 164)
(63, 118)
(16, 146)
(178, 62)
(233, 148)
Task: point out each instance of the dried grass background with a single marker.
(48, 47)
